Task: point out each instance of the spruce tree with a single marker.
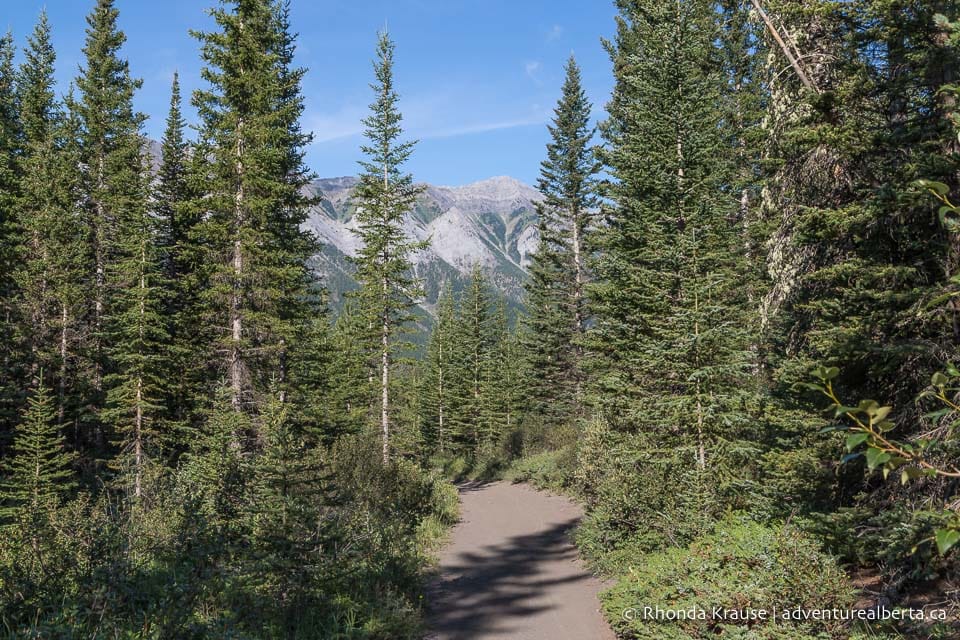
(112, 169)
(9, 142)
(384, 197)
(52, 255)
(253, 190)
(672, 322)
(137, 328)
(437, 393)
(474, 340)
(352, 371)
(179, 244)
(498, 410)
(39, 471)
(556, 304)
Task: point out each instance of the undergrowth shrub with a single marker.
(741, 564)
(550, 470)
(348, 565)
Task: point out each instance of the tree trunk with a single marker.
(385, 384)
(236, 302)
(62, 383)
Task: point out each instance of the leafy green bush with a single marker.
(347, 563)
(740, 565)
(550, 470)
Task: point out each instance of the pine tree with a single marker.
(38, 473)
(384, 197)
(251, 135)
(673, 324)
(438, 375)
(556, 304)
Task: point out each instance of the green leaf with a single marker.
(910, 473)
(931, 185)
(842, 410)
(933, 415)
(825, 373)
(946, 538)
(836, 427)
(854, 440)
(876, 457)
(850, 456)
(939, 380)
(868, 406)
(885, 426)
(880, 413)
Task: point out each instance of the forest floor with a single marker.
(511, 571)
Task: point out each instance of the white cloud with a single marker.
(441, 114)
(344, 123)
(555, 32)
(532, 67)
(482, 127)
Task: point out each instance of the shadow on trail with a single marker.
(490, 592)
(470, 486)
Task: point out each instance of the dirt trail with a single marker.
(511, 572)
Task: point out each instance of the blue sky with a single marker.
(478, 78)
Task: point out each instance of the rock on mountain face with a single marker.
(492, 222)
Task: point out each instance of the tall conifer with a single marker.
(112, 168)
(437, 392)
(384, 197)
(673, 323)
(250, 133)
(53, 258)
(557, 310)
(8, 232)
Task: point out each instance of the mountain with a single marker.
(492, 222)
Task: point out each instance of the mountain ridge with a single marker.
(491, 222)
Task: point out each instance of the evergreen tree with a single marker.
(138, 334)
(352, 371)
(384, 197)
(474, 340)
(287, 494)
(673, 324)
(9, 142)
(181, 254)
(253, 190)
(52, 256)
(437, 400)
(556, 304)
(498, 400)
(111, 164)
(38, 473)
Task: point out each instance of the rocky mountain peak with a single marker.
(491, 223)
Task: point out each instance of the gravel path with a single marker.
(511, 572)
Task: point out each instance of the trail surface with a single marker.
(511, 571)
